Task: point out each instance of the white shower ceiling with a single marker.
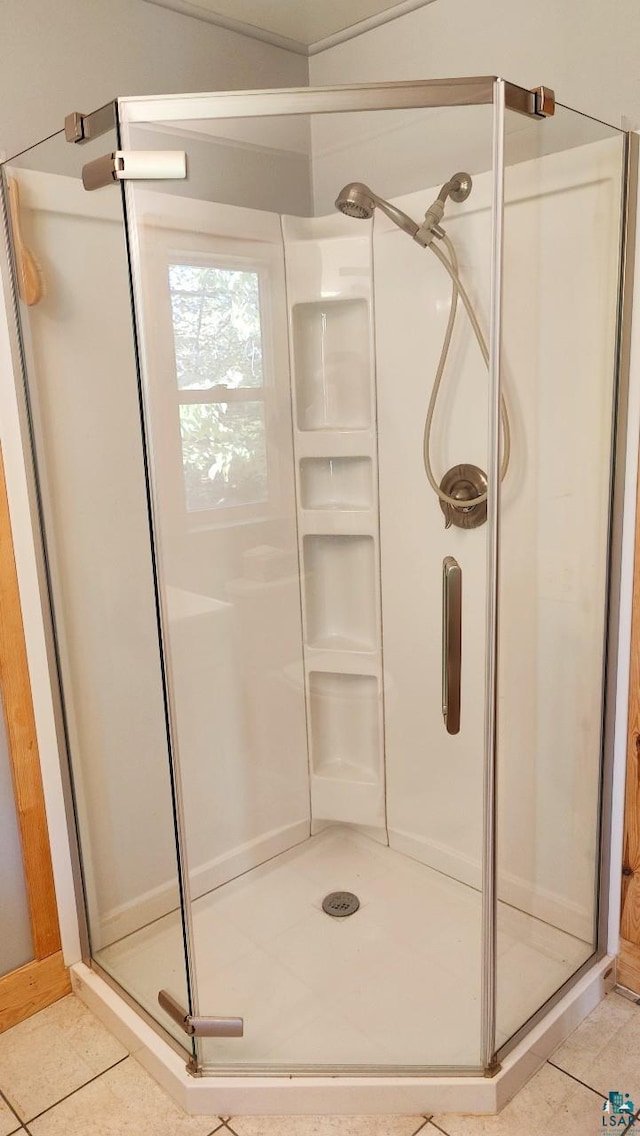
(306, 26)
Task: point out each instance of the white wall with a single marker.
(79, 54)
(585, 49)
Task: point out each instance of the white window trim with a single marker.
(168, 245)
(251, 511)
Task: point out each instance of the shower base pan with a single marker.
(347, 1096)
(320, 960)
(396, 985)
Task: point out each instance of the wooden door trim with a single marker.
(629, 956)
(32, 987)
(628, 968)
(24, 759)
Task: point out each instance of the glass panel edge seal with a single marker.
(611, 645)
(488, 979)
(130, 232)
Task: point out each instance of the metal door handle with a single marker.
(199, 1026)
(451, 643)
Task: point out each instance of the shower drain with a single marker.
(340, 903)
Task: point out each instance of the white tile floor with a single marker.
(313, 989)
(62, 1074)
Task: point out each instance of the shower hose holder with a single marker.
(464, 482)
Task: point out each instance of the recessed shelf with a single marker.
(336, 483)
(344, 726)
(332, 365)
(342, 662)
(335, 444)
(340, 594)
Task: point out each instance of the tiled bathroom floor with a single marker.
(313, 989)
(62, 1074)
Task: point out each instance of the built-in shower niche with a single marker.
(340, 592)
(332, 364)
(346, 780)
(336, 483)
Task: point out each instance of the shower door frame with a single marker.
(503, 96)
(485, 90)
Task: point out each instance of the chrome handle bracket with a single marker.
(196, 1025)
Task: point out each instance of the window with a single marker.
(217, 336)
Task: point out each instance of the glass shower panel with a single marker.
(295, 524)
(82, 391)
(562, 240)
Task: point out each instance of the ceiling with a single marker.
(305, 26)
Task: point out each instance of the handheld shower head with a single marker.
(357, 200)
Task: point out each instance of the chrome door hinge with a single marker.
(151, 165)
(544, 102)
(84, 127)
(200, 1026)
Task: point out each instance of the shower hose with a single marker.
(458, 291)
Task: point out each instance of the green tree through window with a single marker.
(218, 353)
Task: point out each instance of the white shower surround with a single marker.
(551, 581)
(419, 785)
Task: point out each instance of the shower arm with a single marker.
(458, 189)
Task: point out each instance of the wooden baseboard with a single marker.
(628, 969)
(25, 991)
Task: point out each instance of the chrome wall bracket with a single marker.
(544, 102)
(140, 165)
(464, 483)
(80, 127)
(199, 1026)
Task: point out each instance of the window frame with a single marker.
(187, 253)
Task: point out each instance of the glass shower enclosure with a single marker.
(328, 505)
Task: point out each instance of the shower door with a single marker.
(81, 416)
(564, 229)
(301, 552)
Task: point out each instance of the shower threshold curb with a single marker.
(348, 1096)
